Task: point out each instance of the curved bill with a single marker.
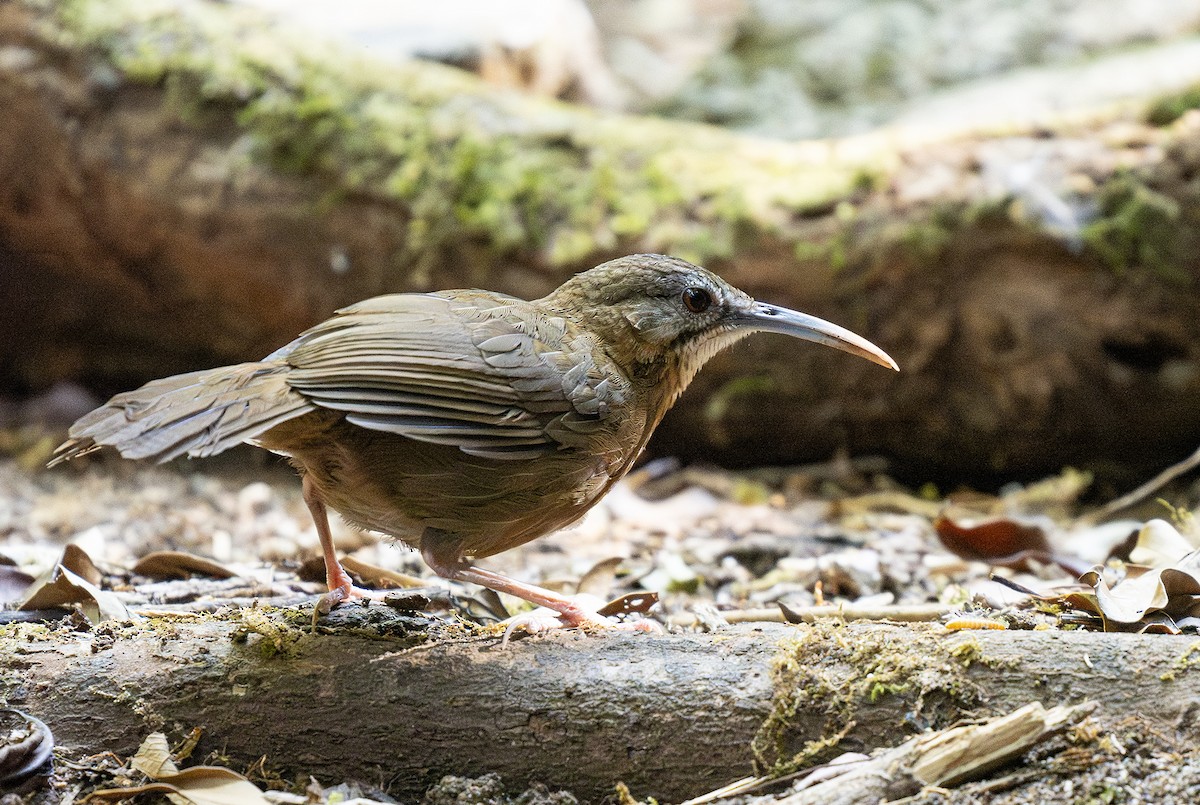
(772, 319)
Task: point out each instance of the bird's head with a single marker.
(650, 310)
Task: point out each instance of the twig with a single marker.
(1145, 490)
(905, 613)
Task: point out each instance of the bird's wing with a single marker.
(475, 370)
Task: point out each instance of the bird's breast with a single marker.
(398, 486)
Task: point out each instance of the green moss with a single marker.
(749, 492)
(720, 401)
(832, 670)
(1183, 519)
(1185, 662)
(925, 238)
(1166, 109)
(14, 635)
(967, 652)
(1137, 227)
(463, 163)
(274, 632)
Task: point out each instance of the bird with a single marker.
(463, 423)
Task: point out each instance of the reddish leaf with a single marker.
(179, 565)
(630, 602)
(994, 539)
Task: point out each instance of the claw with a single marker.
(581, 614)
(340, 595)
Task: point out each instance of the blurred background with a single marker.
(1002, 195)
(793, 70)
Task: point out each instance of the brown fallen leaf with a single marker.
(381, 577)
(179, 565)
(369, 575)
(1153, 597)
(639, 602)
(61, 586)
(992, 539)
(13, 584)
(600, 578)
(76, 560)
(199, 785)
(1004, 542)
(25, 745)
(1156, 600)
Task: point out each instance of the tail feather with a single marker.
(198, 414)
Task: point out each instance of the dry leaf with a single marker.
(630, 602)
(1159, 544)
(59, 586)
(199, 785)
(1004, 542)
(179, 565)
(600, 578)
(213, 785)
(13, 583)
(25, 745)
(1162, 600)
(993, 539)
(380, 577)
(1170, 590)
(76, 560)
(153, 757)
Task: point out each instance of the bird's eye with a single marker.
(697, 300)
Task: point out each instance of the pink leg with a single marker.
(571, 611)
(340, 587)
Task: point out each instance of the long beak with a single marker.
(771, 319)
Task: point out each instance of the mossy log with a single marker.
(673, 716)
(185, 186)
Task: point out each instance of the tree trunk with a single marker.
(174, 195)
(673, 716)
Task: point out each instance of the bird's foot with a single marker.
(579, 613)
(340, 595)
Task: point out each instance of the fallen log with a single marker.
(177, 193)
(672, 716)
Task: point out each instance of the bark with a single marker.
(163, 209)
(941, 759)
(673, 716)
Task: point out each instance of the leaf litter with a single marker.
(199, 785)
(718, 547)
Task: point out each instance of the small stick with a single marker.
(907, 613)
(1145, 490)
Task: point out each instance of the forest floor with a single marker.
(717, 546)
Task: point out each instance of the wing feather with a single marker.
(477, 371)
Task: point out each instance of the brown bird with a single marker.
(467, 422)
